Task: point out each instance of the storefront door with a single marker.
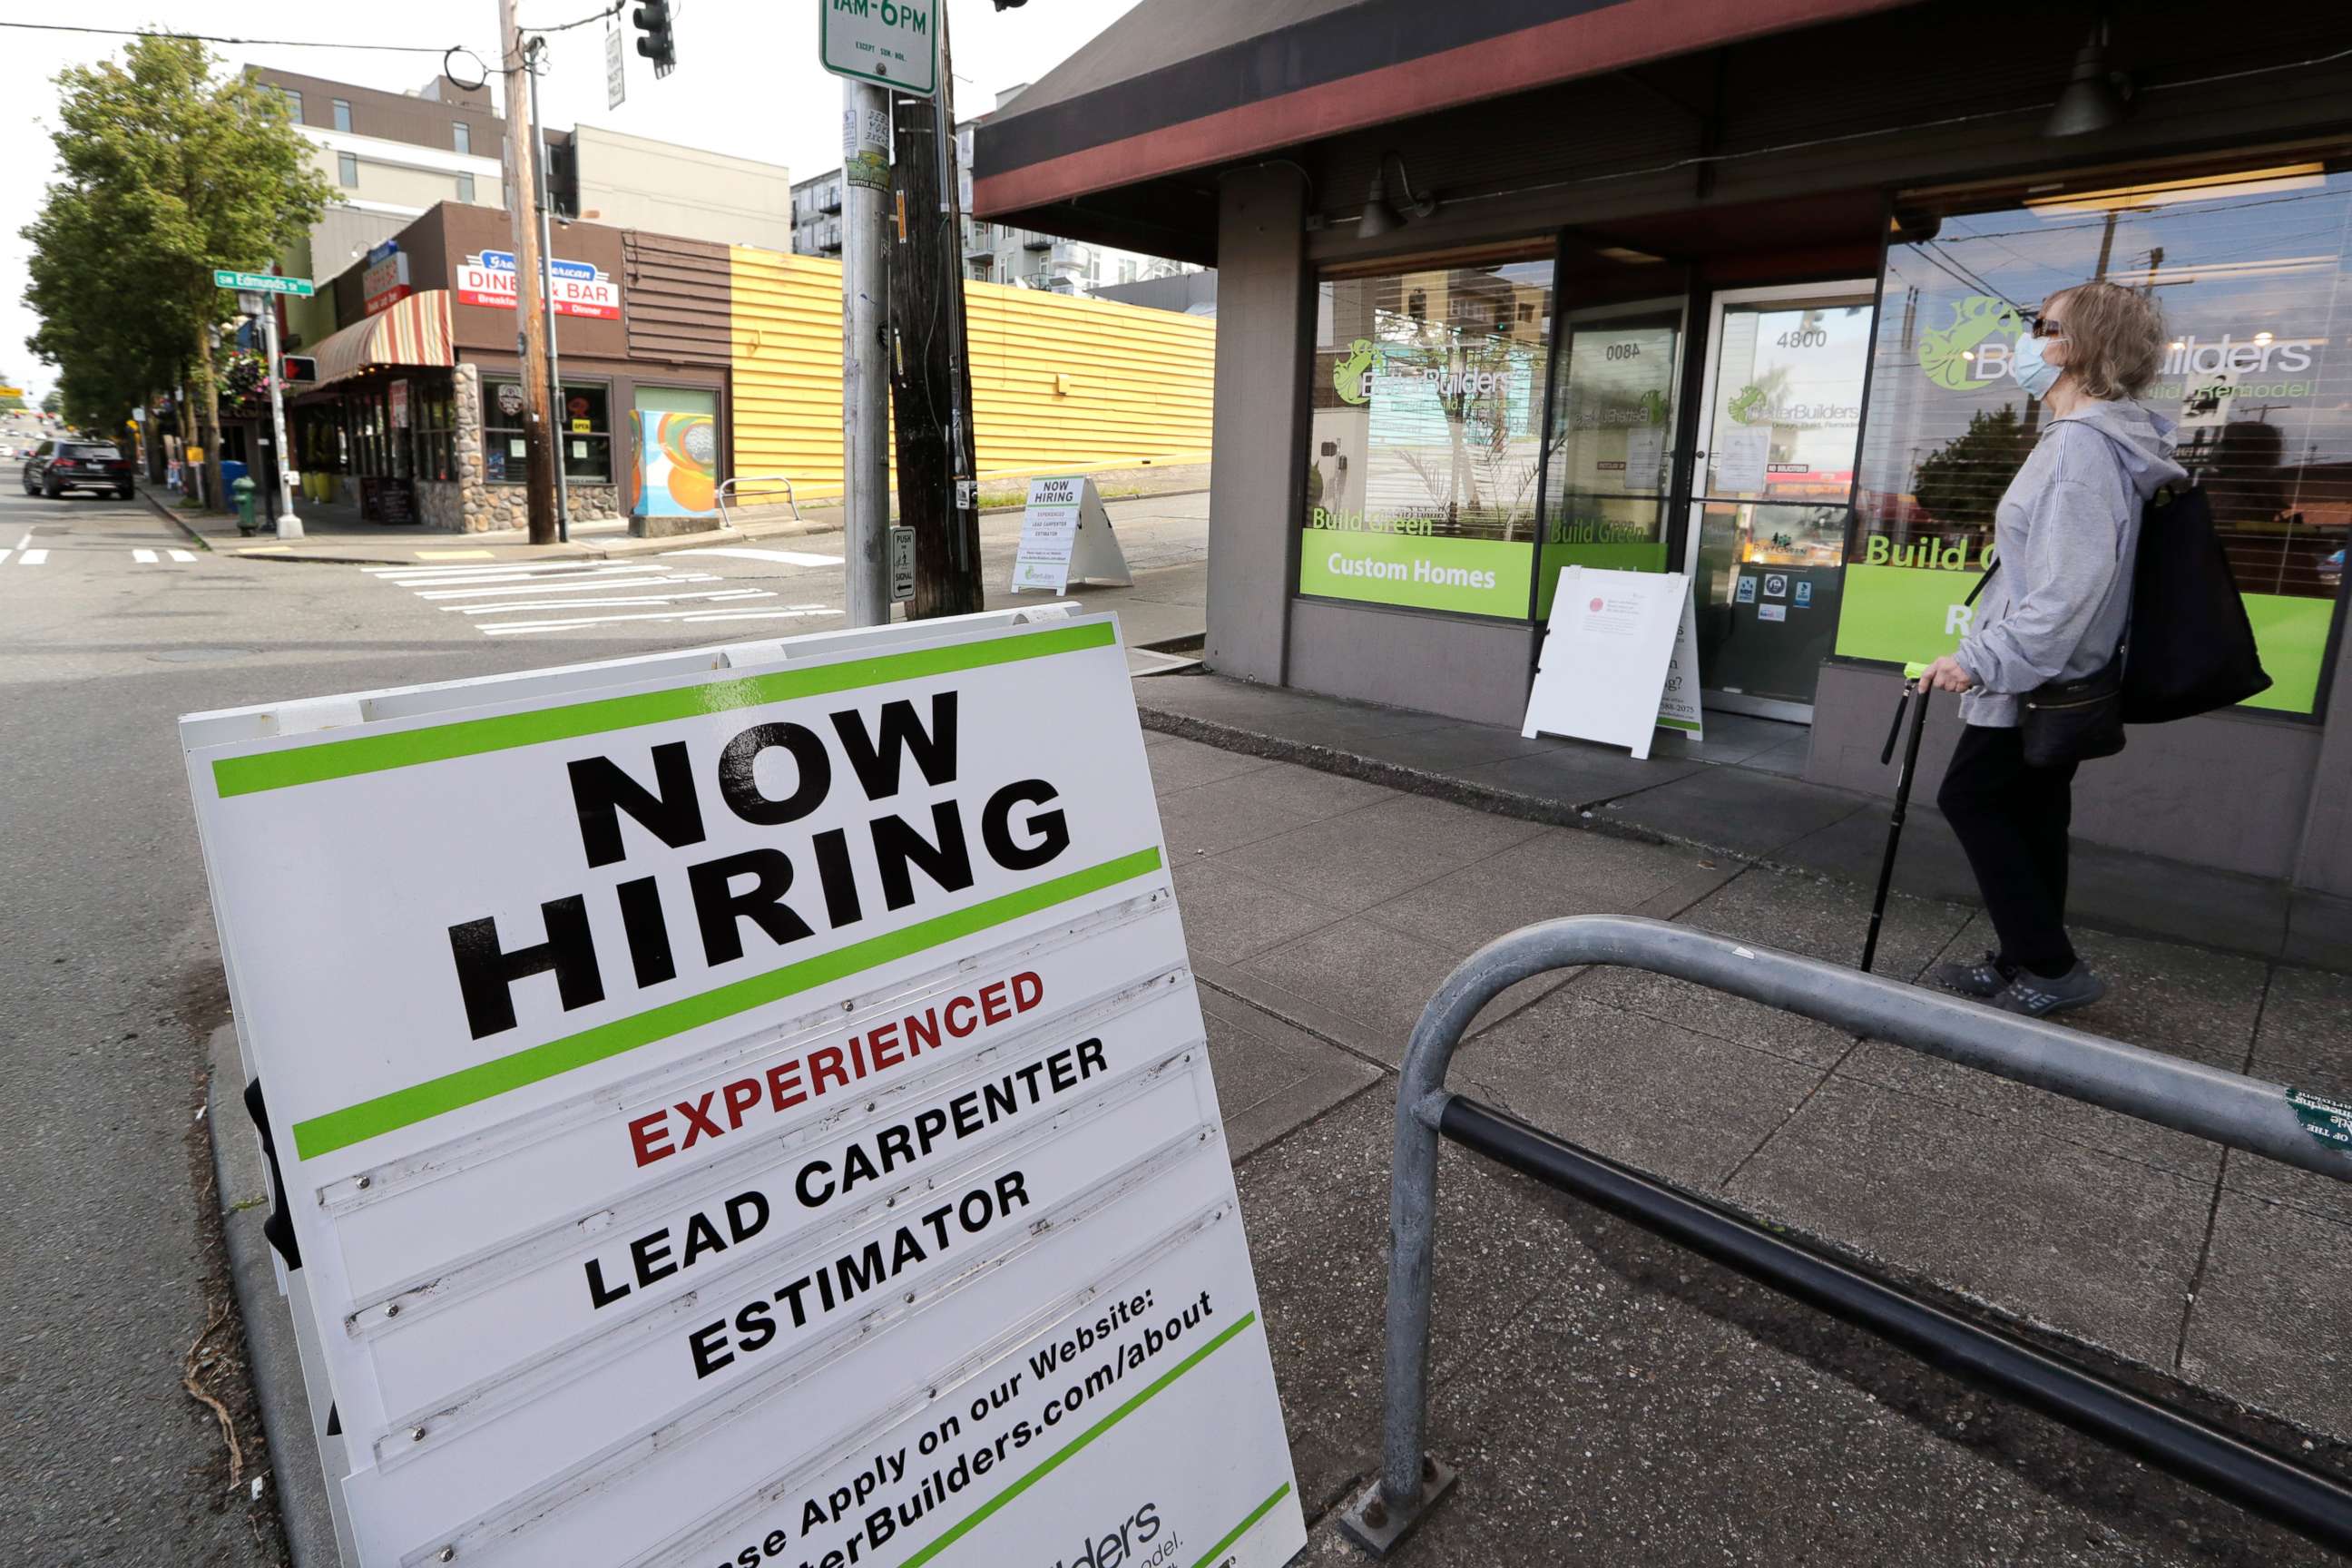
(1771, 484)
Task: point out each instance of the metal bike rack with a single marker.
(2204, 1101)
(727, 488)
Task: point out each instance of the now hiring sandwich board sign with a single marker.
(751, 1107)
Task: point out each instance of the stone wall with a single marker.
(500, 506)
(509, 506)
(441, 504)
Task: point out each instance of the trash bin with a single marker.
(244, 490)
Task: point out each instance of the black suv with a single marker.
(53, 468)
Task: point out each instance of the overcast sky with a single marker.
(746, 81)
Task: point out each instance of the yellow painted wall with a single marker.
(1057, 385)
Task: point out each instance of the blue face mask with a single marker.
(2033, 372)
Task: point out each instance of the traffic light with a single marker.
(658, 44)
(295, 369)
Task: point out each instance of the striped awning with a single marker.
(415, 331)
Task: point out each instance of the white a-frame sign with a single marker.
(1066, 538)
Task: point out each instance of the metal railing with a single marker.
(2187, 1096)
(727, 488)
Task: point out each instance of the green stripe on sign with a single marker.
(473, 737)
(471, 1086)
(973, 1520)
(1238, 1531)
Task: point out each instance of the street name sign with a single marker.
(263, 283)
(1066, 538)
(892, 42)
(1601, 675)
(770, 1124)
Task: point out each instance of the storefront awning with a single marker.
(1190, 84)
(415, 331)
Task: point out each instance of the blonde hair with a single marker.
(2114, 338)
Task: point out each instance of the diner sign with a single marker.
(488, 278)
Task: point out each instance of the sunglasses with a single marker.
(2041, 326)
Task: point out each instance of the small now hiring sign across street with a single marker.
(775, 1127)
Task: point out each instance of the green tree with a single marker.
(165, 172)
(1961, 482)
(52, 401)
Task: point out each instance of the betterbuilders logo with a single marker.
(1974, 349)
(1352, 377)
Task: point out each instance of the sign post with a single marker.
(802, 1148)
(251, 290)
(892, 43)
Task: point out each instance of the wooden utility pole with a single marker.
(930, 374)
(522, 207)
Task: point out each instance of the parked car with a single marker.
(53, 468)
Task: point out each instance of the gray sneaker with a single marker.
(2036, 997)
(1983, 980)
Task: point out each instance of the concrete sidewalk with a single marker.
(1612, 1399)
(1735, 793)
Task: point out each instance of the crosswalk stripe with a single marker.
(184, 555)
(797, 612)
(144, 557)
(495, 566)
(32, 558)
(522, 576)
(6, 550)
(590, 604)
(576, 585)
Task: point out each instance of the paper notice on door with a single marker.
(1740, 452)
(1645, 451)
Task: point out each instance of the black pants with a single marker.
(2011, 819)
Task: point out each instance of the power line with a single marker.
(214, 38)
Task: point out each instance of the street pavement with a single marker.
(114, 622)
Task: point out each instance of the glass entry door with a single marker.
(1772, 480)
(1615, 369)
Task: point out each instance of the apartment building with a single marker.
(816, 215)
(393, 156)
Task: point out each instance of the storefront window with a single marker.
(584, 421)
(2252, 272)
(1426, 416)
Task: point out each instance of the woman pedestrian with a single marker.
(2056, 610)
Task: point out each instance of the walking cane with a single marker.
(1912, 684)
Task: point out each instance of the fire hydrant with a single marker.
(245, 487)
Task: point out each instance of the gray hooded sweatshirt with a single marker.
(2064, 533)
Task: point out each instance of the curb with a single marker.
(575, 550)
(582, 550)
(241, 1185)
(173, 518)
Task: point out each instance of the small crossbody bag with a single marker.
(2075, 721)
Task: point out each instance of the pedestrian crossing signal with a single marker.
(295, 369)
